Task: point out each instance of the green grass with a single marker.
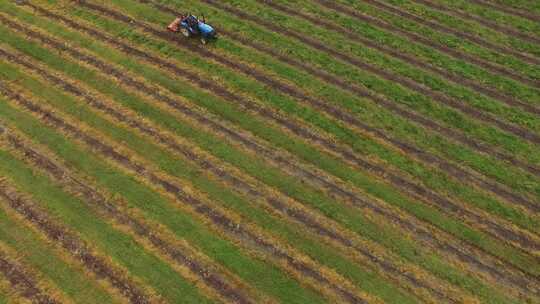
(340, 42)
(416, 102)
(274, 282)
(43, 257)
(419, 51)
(468, 27)
(365, 146)
(400, 128)
(256, 167)
(445, 39)
(387, 194)
(76, 216)
(180, 168)
(521, 24)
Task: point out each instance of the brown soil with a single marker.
(72, 244)
(494, 68)
(22, 283)
(481, 20)
(216, 217)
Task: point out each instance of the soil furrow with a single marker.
(72, 244)
(284, 162)
(498, 230)
(494, 68)
(421, 234)
(464, 36)
(406, 82)
(215, 216)
(322, 229)
(93, 197)
(508, 10)
(364, 93)
(481, 20)
(21, 282)
(457, 79)
(458, 173)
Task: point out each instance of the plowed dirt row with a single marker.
(406, 82)
(457, 79)
(72, 244)
(508, 10)
(92, 196)
(481, 20)
(464, 36)
(279, 204)
(21, 282)
(422, 234)
(213, 215)
(494, 68)
(452, 170)
(497, 229)
(362, 92)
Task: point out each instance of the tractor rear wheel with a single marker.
(185, 32)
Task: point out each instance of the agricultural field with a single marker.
(319, 151)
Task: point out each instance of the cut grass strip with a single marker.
(263, 276)
(119, 247)
(445, 183)
(42, 256)
(23, 281)
(140, 145)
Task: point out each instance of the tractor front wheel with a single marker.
(185, 32)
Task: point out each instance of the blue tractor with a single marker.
(190, 25)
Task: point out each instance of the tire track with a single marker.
(498, 230)
(459, 251)
(364, 93)
(456, 79)
(279, 204)
(494, 68)
(93, 197)
(410, 84)
(464, 36)
(71, 243)
(22, 282)
(215, 216)
(458, 13)
(452, 170)
(508, 10)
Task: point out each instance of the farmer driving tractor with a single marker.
(189, 25)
